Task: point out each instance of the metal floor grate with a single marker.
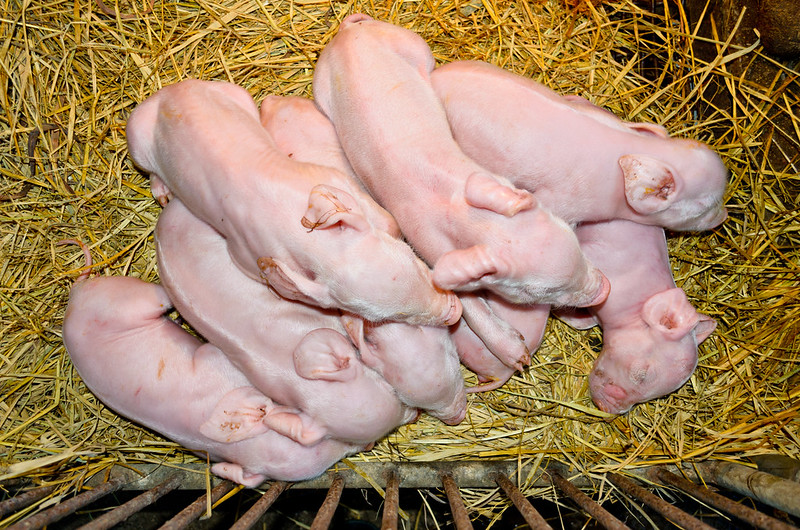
(154, 482)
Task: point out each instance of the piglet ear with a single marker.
(330, 207)
(458, 269)
(704, 328)
(327, 355)
(236, 473)
(354, 326)
(359, 330)
(648, 128)
(293, 285)
(486, 191)
(671, 313)
(651, 185)
(295, 425)
(238, 416)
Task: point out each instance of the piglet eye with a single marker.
(370, 337)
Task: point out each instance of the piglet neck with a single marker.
(623, 309)
(635, 260)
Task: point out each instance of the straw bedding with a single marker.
(71, 74)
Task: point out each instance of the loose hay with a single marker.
(75, 73)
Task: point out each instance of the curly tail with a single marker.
(86, 253)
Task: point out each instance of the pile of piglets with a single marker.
(343, 257)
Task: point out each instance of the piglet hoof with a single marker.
(520, 361)
(454, 309)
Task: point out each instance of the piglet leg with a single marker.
(502, 339)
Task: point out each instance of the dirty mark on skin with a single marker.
(33, 139)
(276, 279)
(322, 219)
(266, 265)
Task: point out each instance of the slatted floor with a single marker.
(778, 498)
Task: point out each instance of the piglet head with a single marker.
(651, 358)
(377, 276)
(681, 188)
(327, 356)
(419, 362)
(529, 256)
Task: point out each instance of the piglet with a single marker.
(479, 231)
(419, 362)
(580, 161)
(297, 354)
(147, 368)
(650, 330)
(299, 227)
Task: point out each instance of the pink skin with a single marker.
(580, 161)
(145, 367)
(372, 81)
(304, 134)
(650, 330)
(299, 227)
(419, 362)
(492, 373)
(297, 354)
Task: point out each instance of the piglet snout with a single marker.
(595, 291)
(454, 414)
(608, 395)
(453, 309)
(355, 18)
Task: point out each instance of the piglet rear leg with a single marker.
(502, 339)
